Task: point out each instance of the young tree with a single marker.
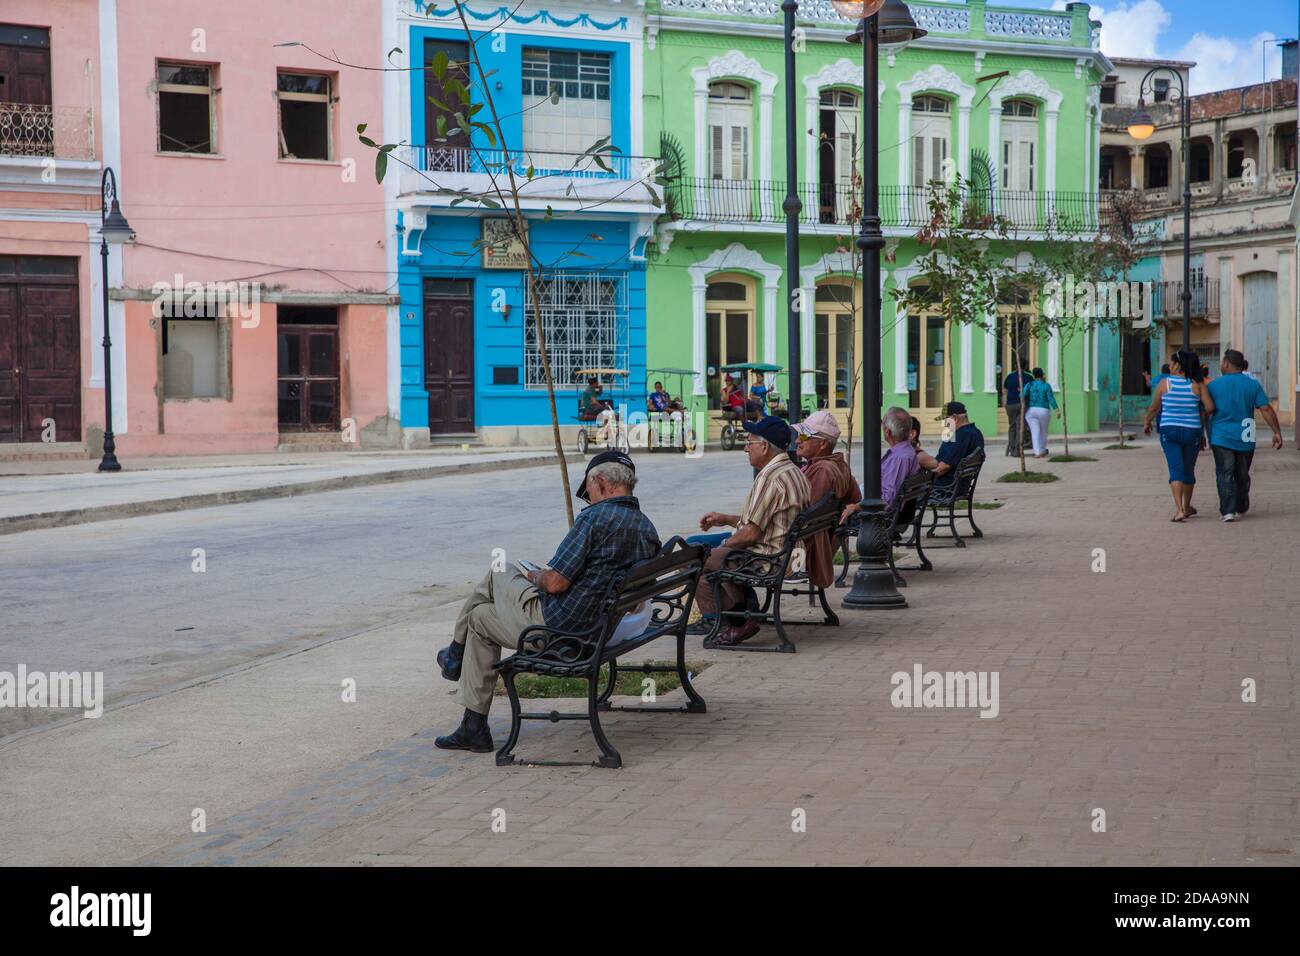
(459, 127)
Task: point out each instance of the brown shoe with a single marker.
(736, 635)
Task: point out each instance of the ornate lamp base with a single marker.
(109, 461)
(873, 584)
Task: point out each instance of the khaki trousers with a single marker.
(493, 617)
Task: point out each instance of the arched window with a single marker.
(728, 328)
(839, 118)
(1019, 145)
(731, 111)
(836, 356)
(931, 129)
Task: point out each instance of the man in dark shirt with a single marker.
(1016, 431)
(606, 539)
(965, 439)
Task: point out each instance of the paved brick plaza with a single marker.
(1118, 690)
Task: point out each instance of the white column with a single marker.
(807, 331)
(1050, 181)
(904, 146)
(811, 122)
(701, 148)
(1054, 358)
(966, 345)
(995, 147)
(765, 151)
(110, 110)
(963, 140)
(990, 356)
(900, 352)
(697, 334)
(769, 319)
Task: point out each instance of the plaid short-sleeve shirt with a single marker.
(606, 539)
(780, 491)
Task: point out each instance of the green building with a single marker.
(1007, 97)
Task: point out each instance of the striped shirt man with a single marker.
(780, 491)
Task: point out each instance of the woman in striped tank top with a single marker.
(1179, 401)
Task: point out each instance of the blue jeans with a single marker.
(1181, 446)
(1232, 473)
(712, 540)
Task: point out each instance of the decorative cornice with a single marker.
(843, 73)
(832, 263)
(937, 77)
(1026, 83)
(733, 257)
(734, 64)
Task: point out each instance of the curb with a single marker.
(135, 509)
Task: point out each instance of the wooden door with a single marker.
(25, 91)
(308, 378)
(40, 361)
(449, 355)
(1260, 298)
(451, 154)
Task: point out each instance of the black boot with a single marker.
(472, 735)
(449, 660)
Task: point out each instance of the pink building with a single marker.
(253, 308)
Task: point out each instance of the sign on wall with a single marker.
(501, 247)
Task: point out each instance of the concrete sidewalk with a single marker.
(154, 486)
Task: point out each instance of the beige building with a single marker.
(1242, 150)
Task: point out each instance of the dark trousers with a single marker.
(1015, 432)
(1232, 473)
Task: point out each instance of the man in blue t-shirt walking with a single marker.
(1232, 432)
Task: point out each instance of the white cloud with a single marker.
(1222, 63)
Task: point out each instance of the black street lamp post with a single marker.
(1141, 127)
(887, 22)
(113, 228)
(792, 207)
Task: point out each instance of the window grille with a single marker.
(584, 316)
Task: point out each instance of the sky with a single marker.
(1227, 40)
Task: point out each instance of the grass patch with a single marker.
(1069, 458)
(1029, 477)
(989, 505)
(537, 686)
(1120, 448)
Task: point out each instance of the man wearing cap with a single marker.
(606, 539)
(828, 474)
(965, 439)
(780, 491)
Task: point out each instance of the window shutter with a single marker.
(715, 161)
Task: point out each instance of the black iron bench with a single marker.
(946, 498)
(668, 581)
(906, 511)
(777, 575)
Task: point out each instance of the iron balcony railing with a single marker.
(63, 132)
(721, 200)
(1167, 299)
(544, 163)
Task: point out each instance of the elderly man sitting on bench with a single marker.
(780, 491)
(606, 539)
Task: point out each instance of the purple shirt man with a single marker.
(898, 464)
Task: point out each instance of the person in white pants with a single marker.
(1040, 402)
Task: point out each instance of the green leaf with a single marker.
(488, 132)
(440, 121)
(550, 213)
(367, 141)
(490, 203)
(439, 65)
(396, 49)
(361, 127)
(381, 165)
(529, 171)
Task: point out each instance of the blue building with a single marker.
(561, 80)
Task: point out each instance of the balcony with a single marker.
(1167, 301)
(564, 180)
(901, 207)
(61, 132)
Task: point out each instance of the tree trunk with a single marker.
(1065, 418)
(1020, 378)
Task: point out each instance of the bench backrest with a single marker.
(911, 493)
(968, 472)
